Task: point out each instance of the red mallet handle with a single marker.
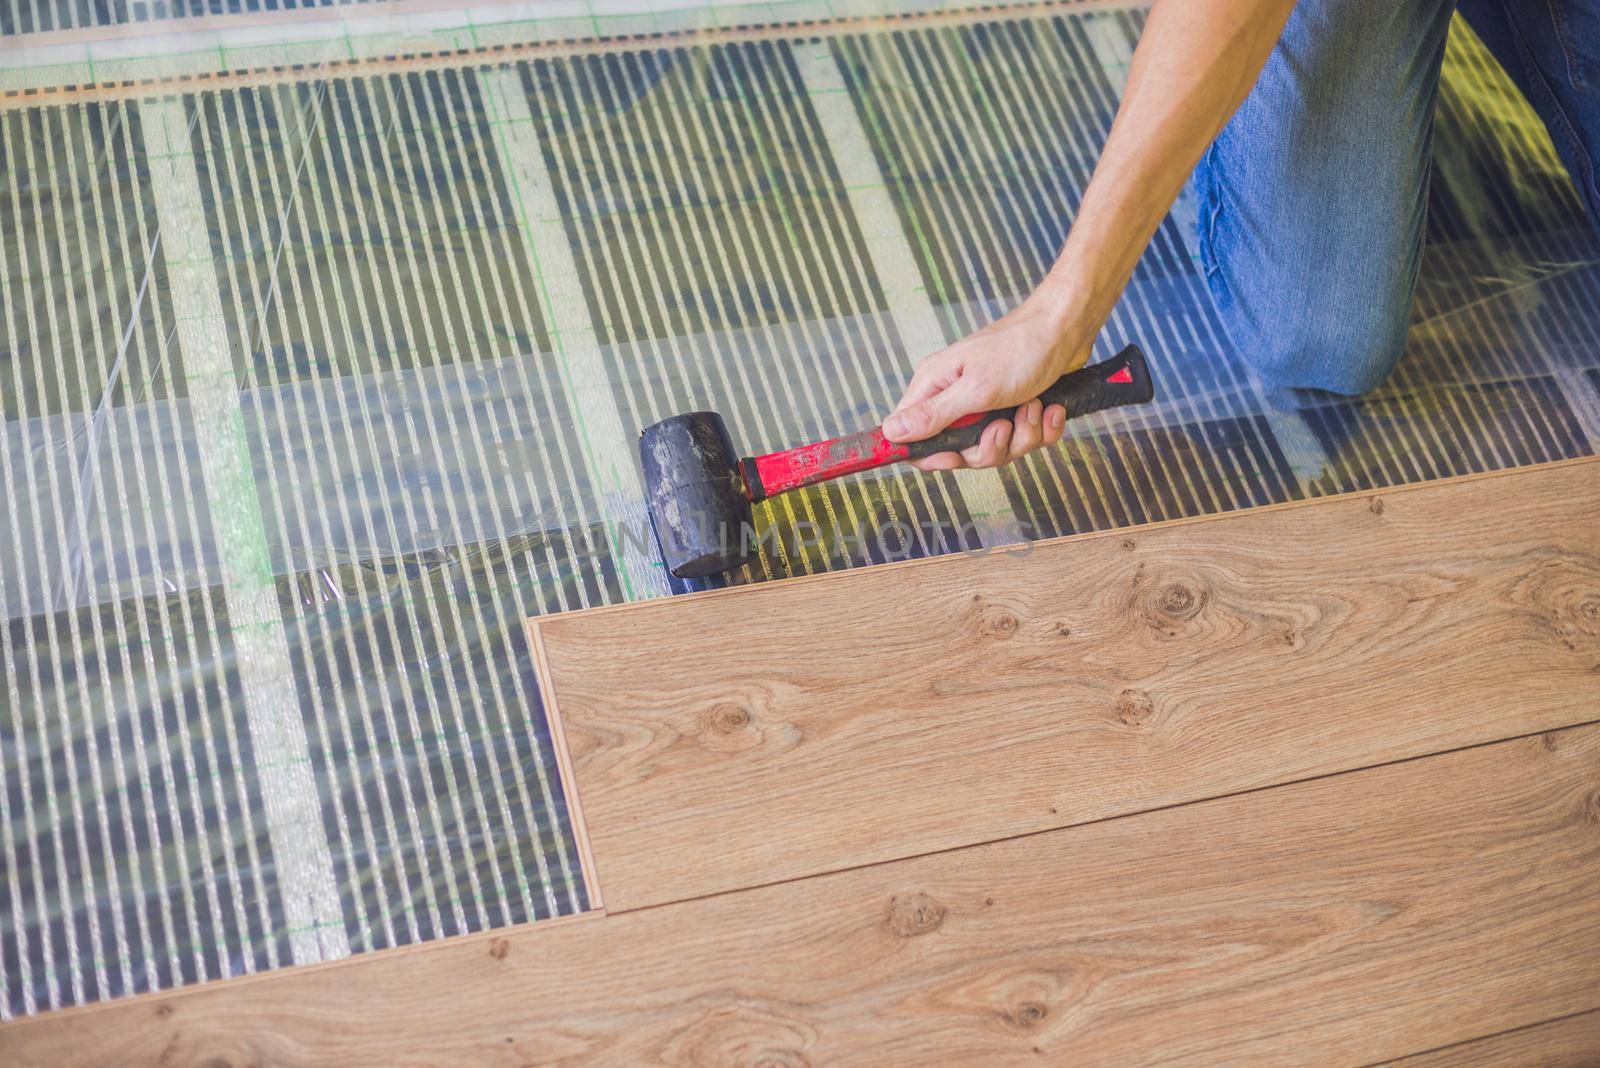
(1123, 379)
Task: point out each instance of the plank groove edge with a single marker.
(1569, 1042)
(569, 782)
(1353, 918)
(749, 736)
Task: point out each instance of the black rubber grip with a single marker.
(1088, 389)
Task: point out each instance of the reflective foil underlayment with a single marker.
(313, 390)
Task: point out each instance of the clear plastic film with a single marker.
(318, 382)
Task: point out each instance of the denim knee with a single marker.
(1312, 200)
(1344, 347)
(1340, 343)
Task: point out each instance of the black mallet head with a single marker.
(700, 491)
(695, 493)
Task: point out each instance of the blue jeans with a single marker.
(1312, 200)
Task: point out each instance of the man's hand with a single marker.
(1009, 362)
(1196, 62)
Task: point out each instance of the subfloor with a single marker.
(318, 377)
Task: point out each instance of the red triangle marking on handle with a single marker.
(1124, 375)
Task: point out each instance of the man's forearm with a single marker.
(1196, 62)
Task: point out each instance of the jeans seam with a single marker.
(1575, 66)
(1558, 121)
(1212, 265)
(1210, 209)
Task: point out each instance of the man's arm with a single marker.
(1195, 64)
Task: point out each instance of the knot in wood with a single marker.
(992, 619)
(1134, 708)
(910, 915)
(730, 725)
(1027, 1014)
(1565, 591)
(1178, 601)
(499, 948)
(730, 718)
(1003, 624)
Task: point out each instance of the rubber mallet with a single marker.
(699, 490)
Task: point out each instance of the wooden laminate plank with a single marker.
(1570, 1042)
(1341, 920)
(731, 739)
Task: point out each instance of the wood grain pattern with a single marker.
(747, 736)
(1571, 1042)
(1339, 921)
